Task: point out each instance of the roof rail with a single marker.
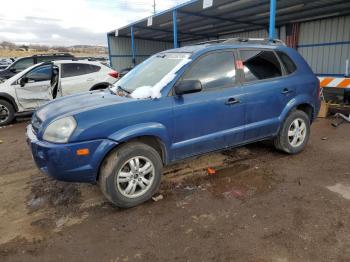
(253, 40)
(54, 54)
(211, 41)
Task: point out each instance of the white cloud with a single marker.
(64, 21)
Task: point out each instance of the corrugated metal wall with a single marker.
(249, 34)
(121, 55)
(318, 44)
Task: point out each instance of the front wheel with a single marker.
(131, 174)
(294, 133)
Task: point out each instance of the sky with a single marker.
(71, 22)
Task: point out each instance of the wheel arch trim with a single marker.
(10, 99)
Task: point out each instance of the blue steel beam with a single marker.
(175, 28)
(133, 46)
(272, 33)
(170, 31)
(109, 51)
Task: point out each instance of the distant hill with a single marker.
(8, 49)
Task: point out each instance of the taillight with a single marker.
(114, 74)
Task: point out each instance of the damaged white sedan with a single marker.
(37, 85)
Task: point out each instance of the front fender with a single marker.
(145, 129)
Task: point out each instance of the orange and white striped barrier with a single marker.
(338, 82)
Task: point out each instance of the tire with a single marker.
(297, 123)
(117, 178)
(7, 113)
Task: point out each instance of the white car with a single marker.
(43, 82)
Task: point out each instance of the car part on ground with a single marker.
(343, 118)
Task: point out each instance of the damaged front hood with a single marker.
(71, 105)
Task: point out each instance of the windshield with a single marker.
(151, 71)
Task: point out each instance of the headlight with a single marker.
(60, 130)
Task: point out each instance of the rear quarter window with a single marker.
(77, 69)
(260, 65)
(287, 62)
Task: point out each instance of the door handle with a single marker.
(286, 91)
(232, 101)
(90, 79)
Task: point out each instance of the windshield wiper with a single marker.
(124, 90)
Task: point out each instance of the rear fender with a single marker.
(293, 103)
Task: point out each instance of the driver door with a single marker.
(34, 88)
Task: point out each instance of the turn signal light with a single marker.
(83, 152)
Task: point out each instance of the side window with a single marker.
(287, 61)
(23, 64)
(41, 73)
(91, 68)
(260, 65)
(76, 69)
(215, 70)
(72, 69)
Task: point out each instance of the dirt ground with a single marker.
(260, 205)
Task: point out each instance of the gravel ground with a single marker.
(259, 205)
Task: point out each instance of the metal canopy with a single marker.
(193, 22)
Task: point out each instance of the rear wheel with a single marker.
(294, 133)
(131, 174)
(7, 113)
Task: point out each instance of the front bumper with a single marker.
(61, 162)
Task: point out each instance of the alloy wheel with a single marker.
(135, 177)
(297, 132)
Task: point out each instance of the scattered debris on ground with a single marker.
(290, 208)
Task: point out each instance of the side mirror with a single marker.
(187, 87)
(13, 70)
(23, 81)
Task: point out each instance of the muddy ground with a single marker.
(259, 205)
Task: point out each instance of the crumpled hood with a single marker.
(71, 105)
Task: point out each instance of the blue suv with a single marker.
(177, 104)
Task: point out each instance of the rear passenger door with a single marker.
(78, 77)
(267, 90)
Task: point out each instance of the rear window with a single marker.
(77, 69)
(260, 65)
(287, 62)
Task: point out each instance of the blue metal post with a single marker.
(109, 51)
(272, 34)
(175, 28)
(133, 46)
